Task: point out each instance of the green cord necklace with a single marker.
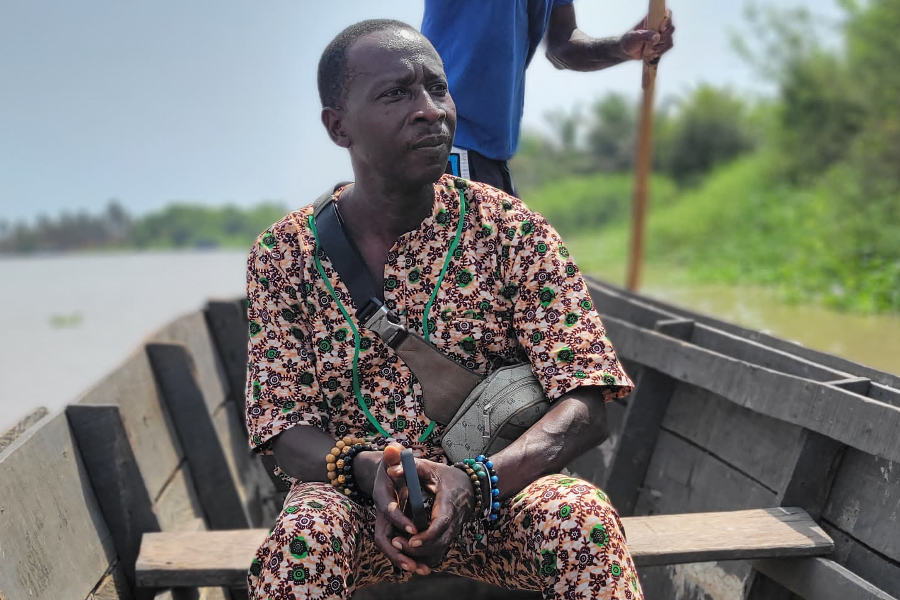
(426, 330)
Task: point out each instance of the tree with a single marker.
(710, 127)
(611, 137)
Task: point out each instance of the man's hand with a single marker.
(453, 506)
(640, 43)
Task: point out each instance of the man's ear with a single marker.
(333, 120)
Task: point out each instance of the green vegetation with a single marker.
(801, 192)
(178, 225)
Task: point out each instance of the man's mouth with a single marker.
(432, 141)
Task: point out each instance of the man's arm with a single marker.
(575, 424)
(300, 452)
(570, 48)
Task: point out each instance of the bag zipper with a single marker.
(486, 411)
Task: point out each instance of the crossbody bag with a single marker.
(480, 415)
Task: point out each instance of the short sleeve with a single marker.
(282, 389)
(553, 314)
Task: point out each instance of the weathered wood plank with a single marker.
(177, 508)
(150, 431)
(646, 409)
(696, 581)
(207, 593)
(180, 559)
(115, 476)
(700, 537)
(29, 420)
(255, 485)
(865, 502)
(855, 420)
(230, 334)
(873, 567)
(757, 445)
(214, 479)
(113, 587)
(611, 303)
(817, 463)
(759, 354)
(819, 579)
(885, 394)
(191, 330)
(236, 449)
(684, 478)
(857, 385)
(602, 289)
(54, 542)
(812, 472)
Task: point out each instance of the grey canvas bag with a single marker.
(495, 413)
(482, 415)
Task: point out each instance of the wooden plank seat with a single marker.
(183, 558)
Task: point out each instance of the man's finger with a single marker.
(425, 556)
(383, 539)
(397, 518)
(441, 520)
(666, 22)
(641, 36)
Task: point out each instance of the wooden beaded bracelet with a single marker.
(339, 463)
(481, 492)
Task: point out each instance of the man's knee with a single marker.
(565, 501)
(312, 543)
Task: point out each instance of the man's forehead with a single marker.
(385, 52)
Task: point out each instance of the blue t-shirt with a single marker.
(486, 46)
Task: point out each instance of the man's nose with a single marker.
(426, 109)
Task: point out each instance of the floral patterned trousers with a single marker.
(559, 536)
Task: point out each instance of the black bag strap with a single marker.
(349, 263)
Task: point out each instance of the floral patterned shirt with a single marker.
(511, 293)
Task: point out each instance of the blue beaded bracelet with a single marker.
(494, 481)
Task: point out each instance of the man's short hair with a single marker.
(333, 75)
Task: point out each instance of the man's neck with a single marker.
(372, 209)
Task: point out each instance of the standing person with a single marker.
(335, 403)
(487, 45)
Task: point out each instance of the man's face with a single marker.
(399, 118)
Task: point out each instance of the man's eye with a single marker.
(394, 93)
(439, 88)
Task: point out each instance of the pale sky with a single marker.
(215, 100)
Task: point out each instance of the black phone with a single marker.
(415, 502)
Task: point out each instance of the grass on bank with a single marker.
(739, 227)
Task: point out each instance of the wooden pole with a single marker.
(655, 18)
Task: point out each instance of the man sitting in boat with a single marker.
(336, 404)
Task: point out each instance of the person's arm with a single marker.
(300, 452)
(562, 334)
(570, 48)
(575, 424)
